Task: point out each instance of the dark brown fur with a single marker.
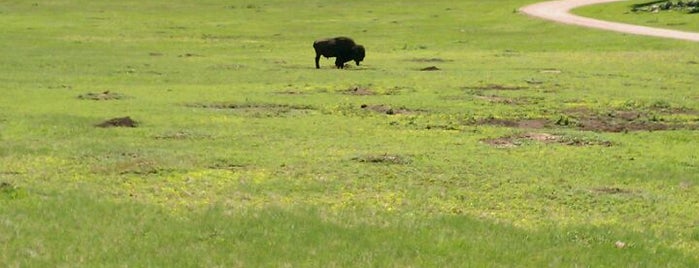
(343, 49)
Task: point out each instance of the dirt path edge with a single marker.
(559, 11)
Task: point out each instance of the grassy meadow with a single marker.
(529, 143)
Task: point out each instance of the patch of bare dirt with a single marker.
(666, 108)
(290, 92)
(583, 141)
(428, 60)
(189, 55)
(118, 122)
(126, 163)
(11, 191)
(517, 140)
(383, 159)
(385, 109)
(621, 120)
(601, 124)
(105, 95)
(257, 109)
(5, 186)
(248, 106)
(359, 91)
(430, 68)
(503, 142)
(550, 71)
(225, 165)
(547, 138)
(496, 87)
(181, 135)
(503, 100)
(611, 190)
(514, 123)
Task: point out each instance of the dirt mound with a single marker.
(182, 135)
(383, 159)
(585, 119)
(611, 190)
(359, 91)
(385, 109)
(225, 165)
(430, 68)
(188, 55)
(6, 186)
(521, 139)
(106, 95)
(503, 100)
(622, 120)
(428, 60)
(235, 106)
(517, 140)
(495, 87)
(604, 125)
(118, 122)
(258, 109)
(291, 92)
(514, 123)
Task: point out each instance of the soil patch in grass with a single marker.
(385, 109)
(363, 90)
(126, 163)
(496, 87)
(257, 109)
(223, 164)
(181, 135)
(547, 138)
(6, 186)
(517, 140)
(11, 191)
(610, 190)
(106, 95)
(514, 123)
(430, 68)
(290, 92)
(428, 60)
(383, 159)
(622, 120)
(189, 55)
(503, 100)
(359, 91)
(118, 122)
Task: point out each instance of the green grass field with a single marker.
(533, 144)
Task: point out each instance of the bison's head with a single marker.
(358, 54)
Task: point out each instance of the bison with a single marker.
(342, 48)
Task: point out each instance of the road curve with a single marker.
(559, 11)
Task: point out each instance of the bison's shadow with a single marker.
(311, 67)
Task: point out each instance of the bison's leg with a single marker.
(317, 60)
(339, 63)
